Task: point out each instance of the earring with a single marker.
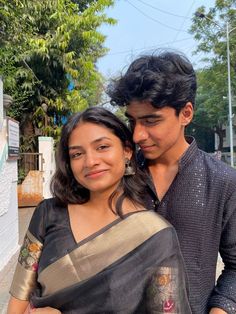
(129, 170)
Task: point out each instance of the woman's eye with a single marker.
(102, 147)
(75, 155)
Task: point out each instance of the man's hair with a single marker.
(167, 79)
(66, 189)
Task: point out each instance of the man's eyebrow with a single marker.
(147, 116)
(93, 142)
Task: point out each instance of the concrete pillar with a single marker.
(46, 147)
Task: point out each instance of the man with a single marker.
(193, 190)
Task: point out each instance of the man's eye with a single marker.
(150, 121)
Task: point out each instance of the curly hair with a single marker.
(67, 190)
(167, 79)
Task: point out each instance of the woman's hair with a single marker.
(64, 186)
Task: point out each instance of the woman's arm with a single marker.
(16, 306)
(217, 311)
(25, 276)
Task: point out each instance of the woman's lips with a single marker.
(95, 174)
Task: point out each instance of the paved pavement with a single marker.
(7, 273)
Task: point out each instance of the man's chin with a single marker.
(150, 155)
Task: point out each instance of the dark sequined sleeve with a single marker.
(224, 294)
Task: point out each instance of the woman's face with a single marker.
(97, 157)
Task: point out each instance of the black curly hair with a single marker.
(167, 79)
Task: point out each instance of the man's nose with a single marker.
(139, 133)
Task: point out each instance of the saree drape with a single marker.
(133, 265)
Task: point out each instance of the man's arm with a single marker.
(223, 299)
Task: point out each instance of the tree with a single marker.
(211, 114)
(209, 29)
(48, 46)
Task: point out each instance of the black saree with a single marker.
(133, 265)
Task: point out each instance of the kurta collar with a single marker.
(187, 157)
(189, 154)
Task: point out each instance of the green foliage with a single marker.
(28, 143)
(210, 30)
(21, 175)
(211, 112)
(45, 46)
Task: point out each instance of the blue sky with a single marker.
(146, 25)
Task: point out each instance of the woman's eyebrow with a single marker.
(97, 140)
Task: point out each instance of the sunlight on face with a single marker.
(97, 157)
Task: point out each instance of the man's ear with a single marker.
(186, 114)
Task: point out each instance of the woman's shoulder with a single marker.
(47, 210)
(49, 204)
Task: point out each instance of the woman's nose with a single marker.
(91, 159)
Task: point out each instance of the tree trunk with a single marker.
(27, 144)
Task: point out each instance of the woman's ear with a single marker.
(128, 152)
(186, 114)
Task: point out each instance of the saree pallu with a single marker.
(133, 265)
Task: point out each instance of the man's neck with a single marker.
(170, 158)
(164, 170)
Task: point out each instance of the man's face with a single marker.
(158, 132)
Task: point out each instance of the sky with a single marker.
(143, 26)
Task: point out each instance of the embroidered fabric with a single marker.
(29, 254)
(162, 291)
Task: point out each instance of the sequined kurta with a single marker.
(201, 205)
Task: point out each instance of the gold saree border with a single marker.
(24, 280)
(95, 255)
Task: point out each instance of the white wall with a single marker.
(1, 104)
(46, 147)
(9, 235)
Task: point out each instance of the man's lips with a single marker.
(146, 147)
(95, 173)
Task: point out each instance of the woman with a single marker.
(94, 247)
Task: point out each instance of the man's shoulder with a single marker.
(217, 167)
